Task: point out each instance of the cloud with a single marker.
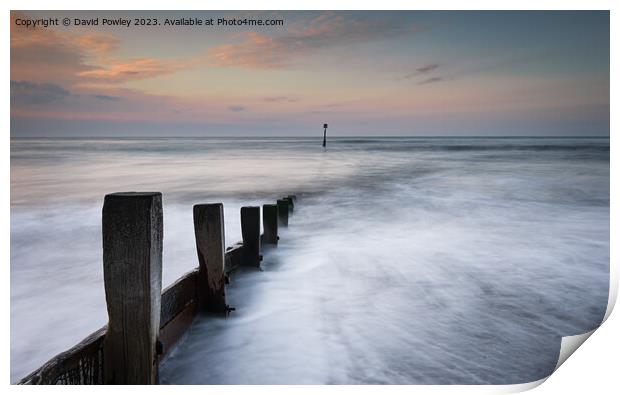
(272, 99)
(422, 70)
(107, 97)
(28, 93)
(236, 108)
(260, 51)
(94, 43)
(134, 69)
(430, 80)
(80, 60)
(62, 54)
(427, 68)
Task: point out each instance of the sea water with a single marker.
(407, 260)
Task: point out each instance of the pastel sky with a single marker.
(365, 73)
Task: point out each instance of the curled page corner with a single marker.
(569, 345)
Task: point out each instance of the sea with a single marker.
(411, 260)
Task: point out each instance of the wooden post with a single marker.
(291, 205)
(132, 227)
(283, 212)
(209, 231)
(250, 232)
(324, 135)
(270, 224)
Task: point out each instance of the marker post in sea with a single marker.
(324, 134)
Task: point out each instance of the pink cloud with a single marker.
(118, 71)
(77, 60)
(262, 51)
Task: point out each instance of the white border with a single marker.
(594, 367)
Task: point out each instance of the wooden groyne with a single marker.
(144, 322)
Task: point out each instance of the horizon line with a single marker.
(309, 136)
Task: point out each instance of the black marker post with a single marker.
(324, 135)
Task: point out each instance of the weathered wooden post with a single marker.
(209, 231)
(250, 232)
(270, 224)
(282, 212)
(132, 227)
(291, 204)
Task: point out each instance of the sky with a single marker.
(372, 73)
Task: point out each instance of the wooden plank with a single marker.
(177, 296)
(132, 227)
(57, 369)
(173, 331)
(209, 231)
(234, 257)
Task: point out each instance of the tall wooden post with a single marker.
(250, 232)
(209, 231)
(324, 135)
(132, 227)
(282, 212)
(270, 224)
